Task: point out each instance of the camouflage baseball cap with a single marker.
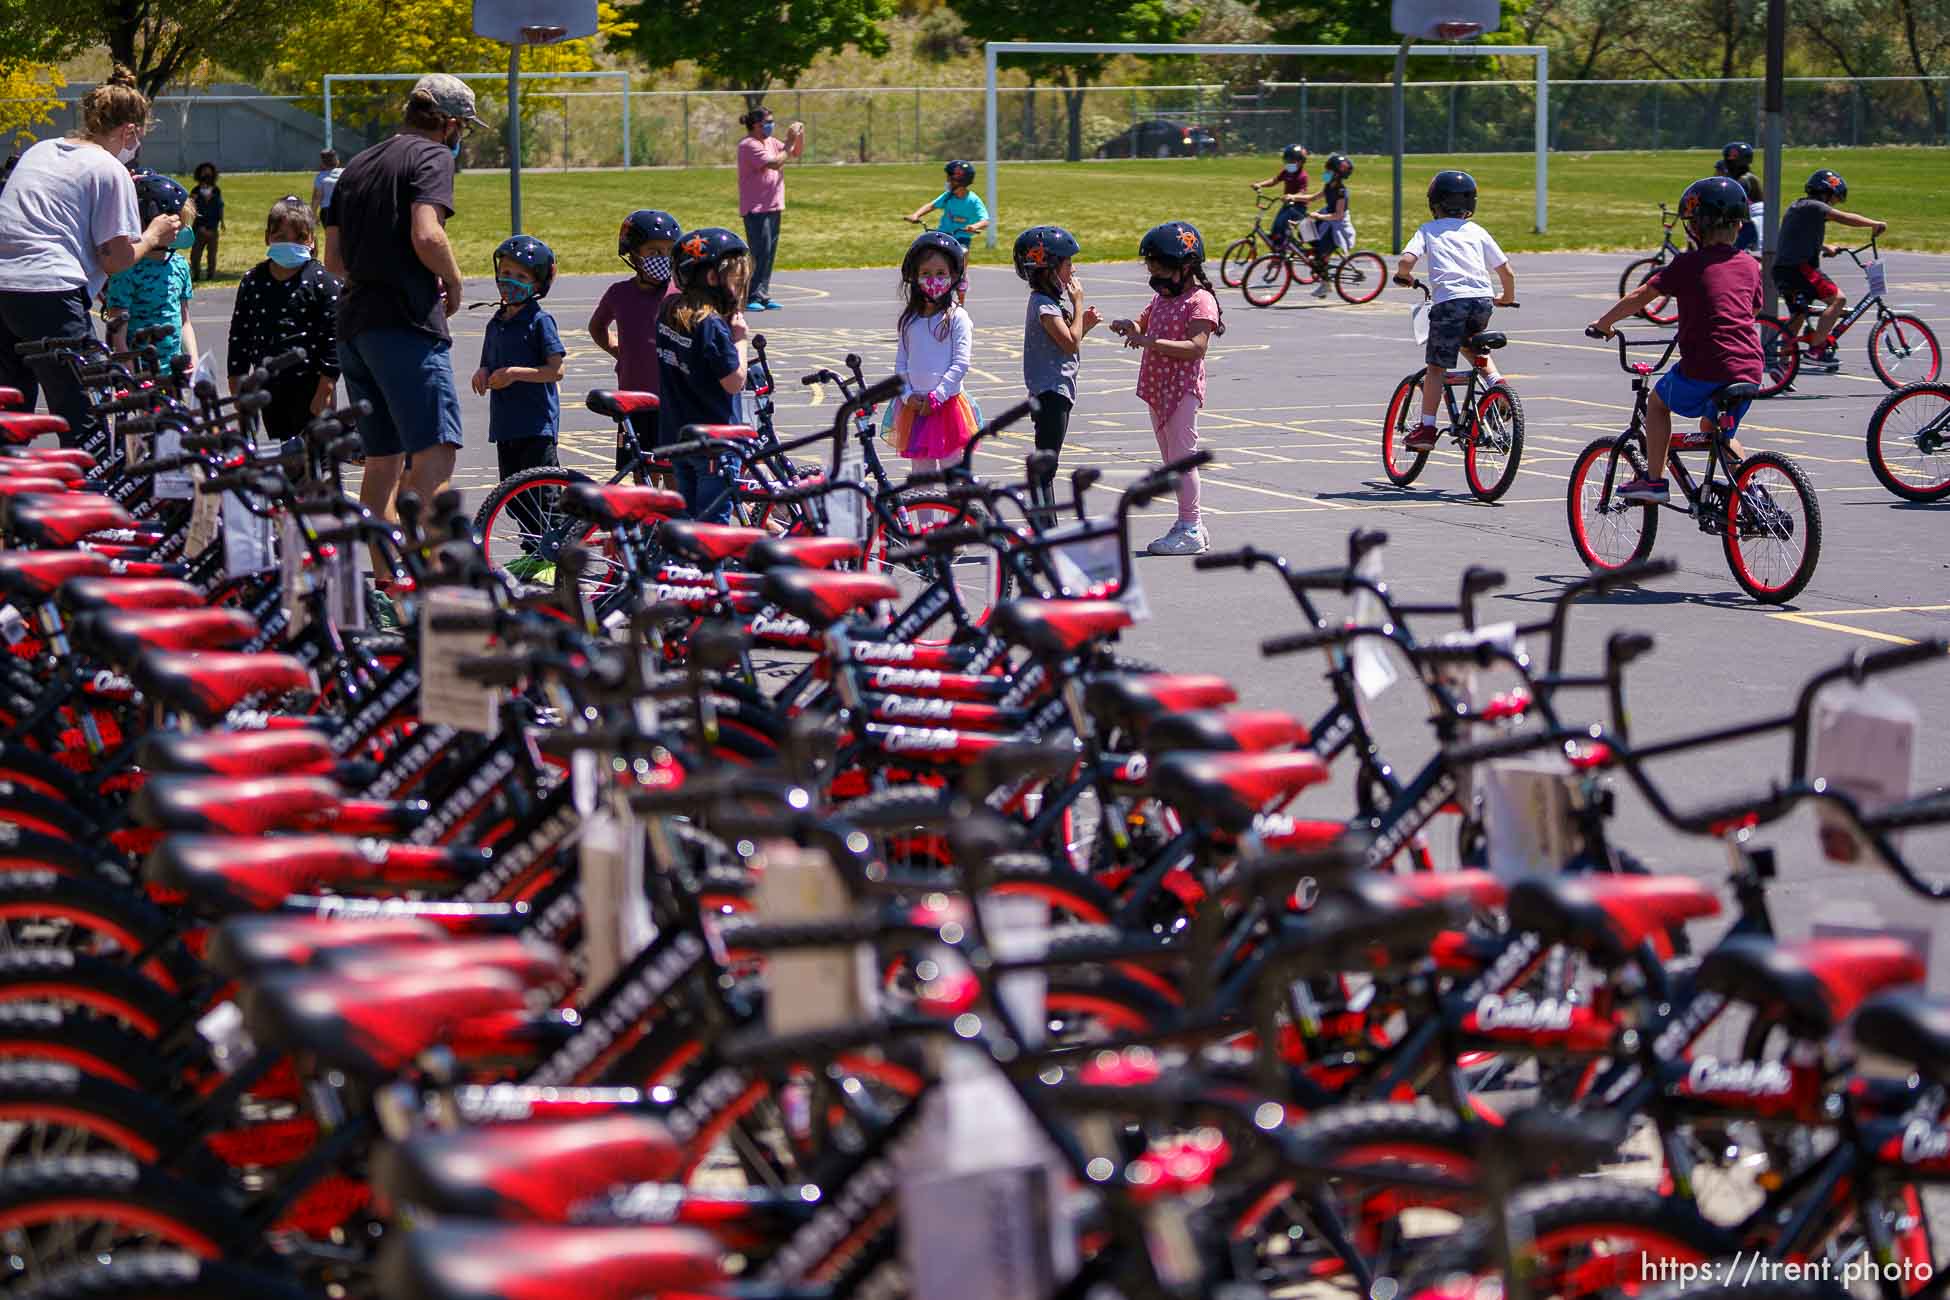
(450, 95)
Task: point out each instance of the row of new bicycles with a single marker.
(772, 910)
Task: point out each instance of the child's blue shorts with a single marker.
(1693, 398)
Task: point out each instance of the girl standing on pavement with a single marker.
(934, 419)
(1173, 333)
(1052, 335)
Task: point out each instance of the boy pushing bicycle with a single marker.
(1717, 291)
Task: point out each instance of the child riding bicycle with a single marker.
(1461, 255)
(963, 214)
(1292, 180)
(1717, 291)
(1797, 260)
(1332, 229)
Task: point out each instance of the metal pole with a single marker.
(917, 117)
(1401, 132)
(1301, 135)
(687, 130)
(1543, 140)
(1452, 118)
(565, 132)
(1771, 136)
(514, 139)
(988, 132)
(1343, 119)
(1655, 115)
(328, 111)
(626, 121)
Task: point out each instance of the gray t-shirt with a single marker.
(66, 199)
(1803, 227)
(1046, 368)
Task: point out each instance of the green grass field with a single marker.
(840, 216)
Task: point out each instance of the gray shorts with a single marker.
(1450, 323)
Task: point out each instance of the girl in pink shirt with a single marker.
(1173, 333)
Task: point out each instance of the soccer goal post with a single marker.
(995, 50)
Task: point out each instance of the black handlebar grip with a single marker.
(1593, 333)
(1240, 559)
(1634, 572)
(494, 670)
(1883, 661)
(1020, 411)
(1299, 642)
(350, 447)
(1185, 464)
(769, 936)
(880, 391)
(205, 442)
(1479, 578)
(285, 360)
(1623, 647)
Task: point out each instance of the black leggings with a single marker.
(25, 317)
(1052, 421)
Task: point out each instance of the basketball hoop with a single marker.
(1458, 31)
(542, 35)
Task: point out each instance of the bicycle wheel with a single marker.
(1660, 311)
(1773, 528)
(1266, 280)
(62, 1213)
(1903, 350)
(1401, 465)
(1495, 443)
(522, 528)
(979, 573)
(1607, 532)
(1780, 355)
(1909, 442)
(1360, 277)
(1239, 255)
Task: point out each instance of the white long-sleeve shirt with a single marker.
(931, 361)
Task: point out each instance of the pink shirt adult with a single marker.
(760, 188)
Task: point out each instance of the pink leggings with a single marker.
(1177, 433)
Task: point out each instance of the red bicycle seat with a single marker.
(457, 1261)
(823, 599)
(227, 874)
(52, 522)
(372, 1028)
(42, 465)
(243, 947)
(717, 432)
(73, 457)
(611, 504)
(1056, 628)
(237, 806)
(237, 753)
(83, 595)
(117, 636)
(20, 427)
(1459, 888)
(1227, 790)
(28, 577)
(1607, 916)
(21, 485)
(536, 965)
(12, 397)
(1908, 1026)
(706, 543)
(1126, 702)
(1248, 731)
(210, 684)
(801, 553)
(525, 1172)
(620, 404)
(1811, 986)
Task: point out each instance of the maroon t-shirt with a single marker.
(634, 313)
(1717, 290)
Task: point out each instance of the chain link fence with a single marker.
(570, 125)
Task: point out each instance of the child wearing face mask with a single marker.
(1294, 198)
(155, 291)
(632, 306)
(1173, 333)
(209, 220)
(521, 364)
(934, 419)
(701, 361)
(288, 300)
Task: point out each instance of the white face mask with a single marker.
(1293, 167)
(127, 156)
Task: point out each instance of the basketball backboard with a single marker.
(519, 22)
(1445, 20)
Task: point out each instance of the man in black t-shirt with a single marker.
(386, 240)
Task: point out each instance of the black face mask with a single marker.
(1167, 286)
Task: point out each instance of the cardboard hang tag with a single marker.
(294, 577)
(447, 697)
(1865, 747)
(846, 510)
(249, 539)
(1527, 809)
(1878, 274)
(1374, 667)
(206, 516)
(811, 988)
(1089, 562)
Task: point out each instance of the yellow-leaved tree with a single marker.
(27, 96)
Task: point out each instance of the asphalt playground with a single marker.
(1294, 407)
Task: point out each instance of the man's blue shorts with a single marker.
(408, 376)
(1693, 398)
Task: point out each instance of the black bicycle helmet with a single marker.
(1715, 201)
(1738, 156)
(533, 256)
(1453, 194)
(934, 241)
(1339, 164)
(643, 225)
(1176, 242)
(703, 249)
(1828, 185)
(1295, 153)
(156, 194)
(1042, 246)
(960, 172)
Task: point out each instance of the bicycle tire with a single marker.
(1401, 465)
(110, 988)
(1788, 587)
(1626, 278)
(122, 1119)
(1267, 280)
(40, 1035)
(35, 771)
(1780, 355)
(1660, 310)
(1490, 481)
(1915, 340)
(992, 589)
(1360, 277)
(115, 1193)
(162, 1275)
(1239, 254)
(1933, 485)
(499, 551)
(107, 913)
(1629, 531)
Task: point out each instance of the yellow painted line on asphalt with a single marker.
(1823, 619)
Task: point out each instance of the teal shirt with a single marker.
(958, 215)
(153, 292)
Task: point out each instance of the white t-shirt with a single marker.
(66, 199)
(932, 360)
(1459, 256)
(325, 182)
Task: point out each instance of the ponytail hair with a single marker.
(754, 117)
(114, 104)
(1199, 278)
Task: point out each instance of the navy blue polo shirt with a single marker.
(522, 410)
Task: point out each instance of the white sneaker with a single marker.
(1320, 289)
(1183, 539)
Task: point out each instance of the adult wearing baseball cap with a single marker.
(386, 240)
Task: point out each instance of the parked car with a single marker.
(1159, 138)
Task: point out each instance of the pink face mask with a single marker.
(937, 286)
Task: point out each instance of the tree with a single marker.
(752, 47)
(1101, 21)
(159, 40)
(27, 96)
